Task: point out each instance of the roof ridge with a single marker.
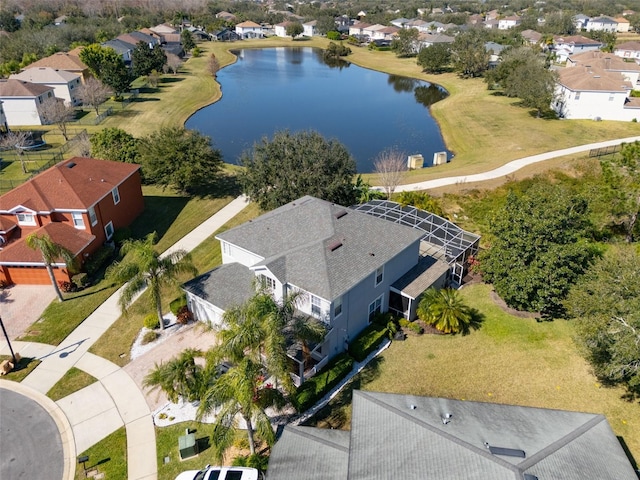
(561, 442)
(296, 429)
(480, 451)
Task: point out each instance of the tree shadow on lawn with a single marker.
(159, 214)
(146, 99)
(171, 79)
(477, 318)
(223, 186)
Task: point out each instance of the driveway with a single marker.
(22, 305)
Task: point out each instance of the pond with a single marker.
(274, 89)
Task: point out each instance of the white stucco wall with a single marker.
(232, 253)
(203, 311)
(592, 105)
(21, 111)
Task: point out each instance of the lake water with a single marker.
(273, 89)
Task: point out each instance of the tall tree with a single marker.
(51, 253)
(142, 266)
(294, 29)
(181, 376)
(93, 93)
(622, 174)
(145, 59)
(406, 42)
(325, 24)
(390, 165)
(16, 140)
(108, 66)
(56, 112)
(605, 304)
(186, 38)
(435, 58)
(114, 144)
(445, 310)
(179, 158)
(213, 65)
(292, 165)
(469, 56)
(539, 246)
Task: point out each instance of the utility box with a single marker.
(187, 446)
(415, 161)
(439, 158)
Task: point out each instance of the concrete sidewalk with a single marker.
(508, 168)
(115, 400)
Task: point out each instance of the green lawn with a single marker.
(25, 367)
(109, 456)
(167, 446)
(72, 381)
(508, 360)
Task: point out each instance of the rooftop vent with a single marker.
(506, 452)
(412, 407)
(528, 476)
(340, 214)
(70, 164)
(335, 245)
(446, 418)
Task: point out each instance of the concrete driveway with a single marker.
(22, 305)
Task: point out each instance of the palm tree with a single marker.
(240, 393)
(51, 251)
(444, 310)
(142, 266)
(179, 377)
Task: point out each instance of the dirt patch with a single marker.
(511, 311)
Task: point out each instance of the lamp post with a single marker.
(13, 355)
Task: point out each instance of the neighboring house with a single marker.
(418, 24)
(346, 264)
(630, 71)
(628, 50)
(623, 24)
(224, 35)
(380, 32)
(61, 20)
(531, 36)
(281, 29)
(124, 49)
(249, 29)
(585, 92)
(432, 438)
(426, 39)
(491, 24)
(494, 50)
(65, 84)
(226, 16)
(357, 29)
(23, 101)
(605, 24)
(400, 22)
(79, 203)
(580, 21)
(136, 37)
(563, 47)
(163, 29)
(509, 22)
(4, 126)
(148, 31)
(67, 61)
(310, 28)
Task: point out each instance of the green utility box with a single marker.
(187, 446)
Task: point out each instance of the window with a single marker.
(26, 218)
(225, 248)
(108, 230)
(78, 220)
(375, 307)
(577, 97)
(337, 306)
(611, 97)
(379, 275)
(92, 216)
(316, 305)
(267, 282)
(116, 196)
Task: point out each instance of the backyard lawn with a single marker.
(508, 360)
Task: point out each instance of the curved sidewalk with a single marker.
(510, 167)
(115, 400)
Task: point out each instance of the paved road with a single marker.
(510, 167)
(29, 439)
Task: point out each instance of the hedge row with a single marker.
(367, 341)
(316, 387)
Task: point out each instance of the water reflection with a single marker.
(429, 95)
(402, 84)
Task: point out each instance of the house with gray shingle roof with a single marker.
(346, 265)
(65, 84)
(416, 438)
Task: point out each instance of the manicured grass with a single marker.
(25, 367)
(509, 360)
(108, 455)
(72, 381)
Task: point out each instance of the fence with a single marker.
(97, 120)
(601, 152)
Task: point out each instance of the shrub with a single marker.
(415, 328)
(333, 35)
(403, 322)
(151, 321)
(196, 52)
(81, 280)
(66, 287)
(177, 304)
(253, 461)
(316, 387)
(184, 316)
(98, 259)
(367, 341)
(149, 337)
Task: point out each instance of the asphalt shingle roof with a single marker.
(19, 88)
(321, 247)
(226, 286)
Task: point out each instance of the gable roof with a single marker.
(576, 40)
(321, 247)
(605, 61)
(603, 19)
(227, 286)
(409, 437)
(120, 46)
(19, 88)
(589, 79)
(74, 184)
(248, 24)
(59, 61)
(45, 75)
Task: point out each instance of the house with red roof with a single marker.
(79, 203)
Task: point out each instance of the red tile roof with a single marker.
(61, 233)
(77, 183)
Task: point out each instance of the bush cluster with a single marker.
(177, 304)
(98, 259)
(316, 387)
(184, 316)
(367, 341)
(67, 287)
(149, 337)
(151, 321)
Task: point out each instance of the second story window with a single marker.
(116, 196)
(92, 216)
(25, 218)
(316, 306)
(78, 220)
(379, 275)
(267, 282)
(337, 307)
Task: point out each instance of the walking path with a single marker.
(510, 167)
(115, 400)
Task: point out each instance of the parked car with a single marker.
(221, 473)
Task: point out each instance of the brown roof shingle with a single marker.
(60, 61)
(581, 78)
(20, 88)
